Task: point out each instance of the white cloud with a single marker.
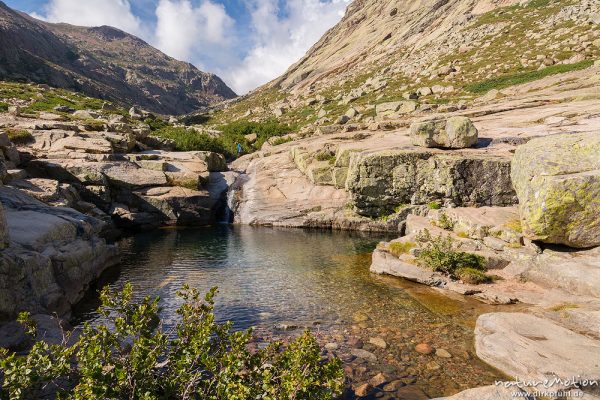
(281, 41)
(186, 32)
(203, 33)
(115, 13)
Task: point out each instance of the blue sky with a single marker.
(246, 42)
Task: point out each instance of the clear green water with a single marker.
(307, 278)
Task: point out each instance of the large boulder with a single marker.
(379, 182)
(54, 255)
(557, 180)
(453, 133)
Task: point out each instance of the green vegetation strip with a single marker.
(505, 81)
(130, 356)
(226, 142)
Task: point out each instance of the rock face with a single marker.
(529, 347)
(103, 62)
(54, 254)
(4, 238)
(557, 180)
(453, 133)
(380, 182)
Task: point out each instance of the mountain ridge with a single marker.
(103, 62)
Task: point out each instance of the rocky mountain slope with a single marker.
(103, 62)
(438, 54)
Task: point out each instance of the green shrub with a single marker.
(19, 136)
(445, 222)
(156, 123)
(3, 107)
(473, 276)
(397, 249)
(130, 358)
(234, 133)
(190, 140)
(434, 205)
(281, 140)
(505, 81)
(440, 254)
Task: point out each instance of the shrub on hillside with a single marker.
(19, 136)
(131, 357)
(225, 143)
(190, 140)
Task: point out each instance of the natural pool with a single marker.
(282, 280)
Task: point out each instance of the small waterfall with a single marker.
(231, 199)
(228, 212)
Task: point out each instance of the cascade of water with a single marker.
(233, 194)
(229, 206)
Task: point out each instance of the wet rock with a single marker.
(378, 380)
(411, 393)
(363, 390)
(393, 386)
(355, 342)
(379, 342)
(443, 353)
(332, 346)
(364, 354)
(424, 348)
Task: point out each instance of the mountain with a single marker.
(437, 52)
(103, 62)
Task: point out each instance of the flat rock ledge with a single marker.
(490, 393)
(534, 349)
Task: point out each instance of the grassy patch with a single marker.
(19, 136)
(434, 205)
(505, 81)
(514, 225)
(397, 249)
(473, 276)
(225, 143)
(442, 255)
(281, 140)
(3, 107)
(190, 140)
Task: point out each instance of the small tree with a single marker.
(132, 357)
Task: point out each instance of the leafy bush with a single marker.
(234, 132)
(440, 254)
(190, 140)
(19, 136)
(445, 222)
(225, 143)
(199, 359)
(397, 249)
(505, 81)
(434, 205)
(281, 140)
(3, 107)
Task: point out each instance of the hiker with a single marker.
(239, 149)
